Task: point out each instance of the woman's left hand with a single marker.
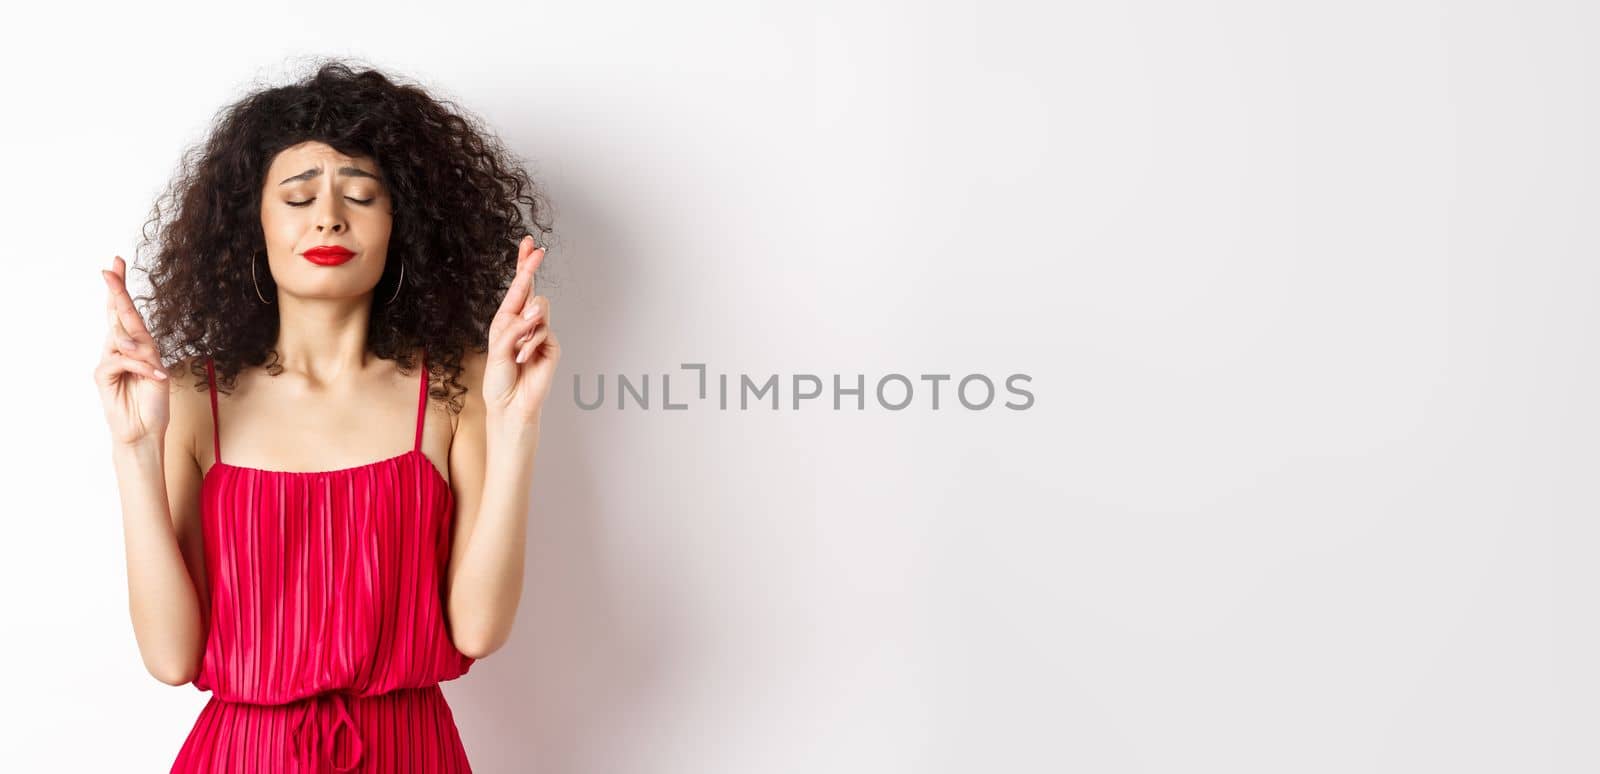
(523, 351)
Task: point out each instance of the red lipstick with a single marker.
(328, 255)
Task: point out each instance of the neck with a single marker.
(323, 338)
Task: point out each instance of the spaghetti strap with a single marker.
(216, 434)
(422, 400)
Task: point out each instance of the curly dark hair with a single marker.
(462, 201)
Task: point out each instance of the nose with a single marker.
(330, 218)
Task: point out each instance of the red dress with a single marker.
(325, 637)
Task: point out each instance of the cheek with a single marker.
(279, 226)
(375, 228)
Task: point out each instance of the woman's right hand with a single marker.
(133, 387)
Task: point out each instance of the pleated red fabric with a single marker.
(326, 638)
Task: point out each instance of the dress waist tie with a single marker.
(315, 729)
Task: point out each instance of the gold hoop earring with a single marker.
(397, 285)
(253, 280)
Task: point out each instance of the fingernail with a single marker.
(521, 356)
(532, 310)
(160, 374)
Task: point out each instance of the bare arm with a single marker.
(163, 597)
(159, 481)
(491, 475)
(491, 461)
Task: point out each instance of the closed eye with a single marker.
(312, 199)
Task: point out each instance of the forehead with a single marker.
(312, 154)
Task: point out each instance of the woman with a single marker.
(332, 279)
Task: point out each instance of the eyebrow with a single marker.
(315, 171)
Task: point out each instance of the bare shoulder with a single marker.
(190, 403)
(467, 450)
(472, 365)
(184, 374)
(188, 385)
(471, 377)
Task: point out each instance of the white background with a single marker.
(1305, 290)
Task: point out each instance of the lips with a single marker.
(328, 255)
